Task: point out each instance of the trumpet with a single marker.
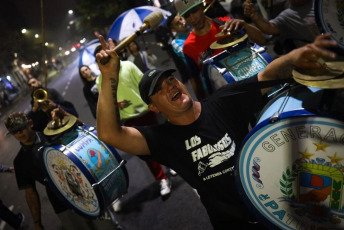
(40, 95)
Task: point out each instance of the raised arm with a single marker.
(253, 32)
(305, 57)
(262, 24)
(109, 129)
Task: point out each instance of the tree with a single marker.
(98, 15)
(11, 40)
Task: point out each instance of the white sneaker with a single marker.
(165, 187)
(117, 205)
(173, 173)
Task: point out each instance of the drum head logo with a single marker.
(85, 173)
(244, 64)
(71, 182)
(292, 171)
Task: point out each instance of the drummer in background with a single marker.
(28, 170)
(196, 47)
(40, 113)
(178, 31)
(294, 27)
(200, 140)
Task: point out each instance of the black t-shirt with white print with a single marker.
(204, 152)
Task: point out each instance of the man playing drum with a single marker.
(196, 47)
(199, 140)
(28, 170)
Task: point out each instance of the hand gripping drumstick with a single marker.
(151, 21)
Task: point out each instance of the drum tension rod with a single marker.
(122, 163)
(276, 116)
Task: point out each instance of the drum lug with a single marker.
(222, 70)
(121, 164)
(91, 128)
(40, 148)
(275, 117)
(258, 49)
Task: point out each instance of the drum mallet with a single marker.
(150, 22)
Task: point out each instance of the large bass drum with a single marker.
(291, 165)
(86, 173)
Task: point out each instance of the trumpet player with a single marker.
(43, 103)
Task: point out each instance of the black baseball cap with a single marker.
(149, 81)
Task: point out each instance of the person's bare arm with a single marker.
(109, 129)
(34, 203)
(253, 32)
(305, 57)
(262, 24)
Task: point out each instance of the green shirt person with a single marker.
(130, 102)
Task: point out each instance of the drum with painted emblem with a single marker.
(85, 172)
(238, 61)
(291, 165)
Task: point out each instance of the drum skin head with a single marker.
(67, 123)
(291, 164)
(229, 41)
(291, 173)
(327, 78)
(84, 172)
(329, 15)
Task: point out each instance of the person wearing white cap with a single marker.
(199, 140)
(196, 46)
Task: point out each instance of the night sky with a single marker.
(55, 14)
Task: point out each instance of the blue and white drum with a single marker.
(329, 15)
(86, 173)
(291, 165)
(235, 64)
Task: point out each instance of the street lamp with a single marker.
(23, 31)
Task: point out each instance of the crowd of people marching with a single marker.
(199, 137)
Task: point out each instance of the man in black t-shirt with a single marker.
(200, 140)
